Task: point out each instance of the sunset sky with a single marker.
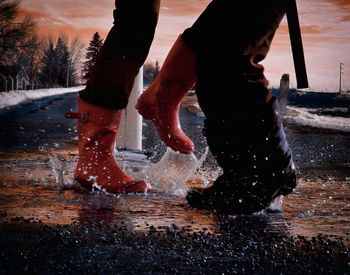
(325, 29)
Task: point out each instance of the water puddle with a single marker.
(37, 188)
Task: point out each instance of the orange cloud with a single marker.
(341, 3)
(83, 18)
(325, 29)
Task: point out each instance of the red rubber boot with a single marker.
(161, 101)
(97, 128)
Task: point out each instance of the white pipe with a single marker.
(130, 128)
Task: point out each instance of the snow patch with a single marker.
(303, 117)
(12, 98)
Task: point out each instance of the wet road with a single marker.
(29, 190)
(47, 228)
(39, 125)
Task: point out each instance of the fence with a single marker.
(8, 83)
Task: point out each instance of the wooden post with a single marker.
(283, 94)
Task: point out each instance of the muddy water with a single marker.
(29, 193)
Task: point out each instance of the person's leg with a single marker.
(161, 101)
(242, 127)
(107, 92)
(97, 167)
(122, 54)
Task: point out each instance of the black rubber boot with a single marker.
(251, 148)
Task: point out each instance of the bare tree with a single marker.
(31, 57)
(76, 54)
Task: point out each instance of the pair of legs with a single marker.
(243, 130)
(242, 126)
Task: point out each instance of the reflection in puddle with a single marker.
(29, 193)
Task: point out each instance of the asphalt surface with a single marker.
(41, 124)
(101, 241)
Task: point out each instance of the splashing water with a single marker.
(170, 174)
(276, 205)
(58, 170)
(98, 188)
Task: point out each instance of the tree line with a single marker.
(47, 62)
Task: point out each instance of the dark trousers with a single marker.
(122, 54)
(229, 37)
(243, 130)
